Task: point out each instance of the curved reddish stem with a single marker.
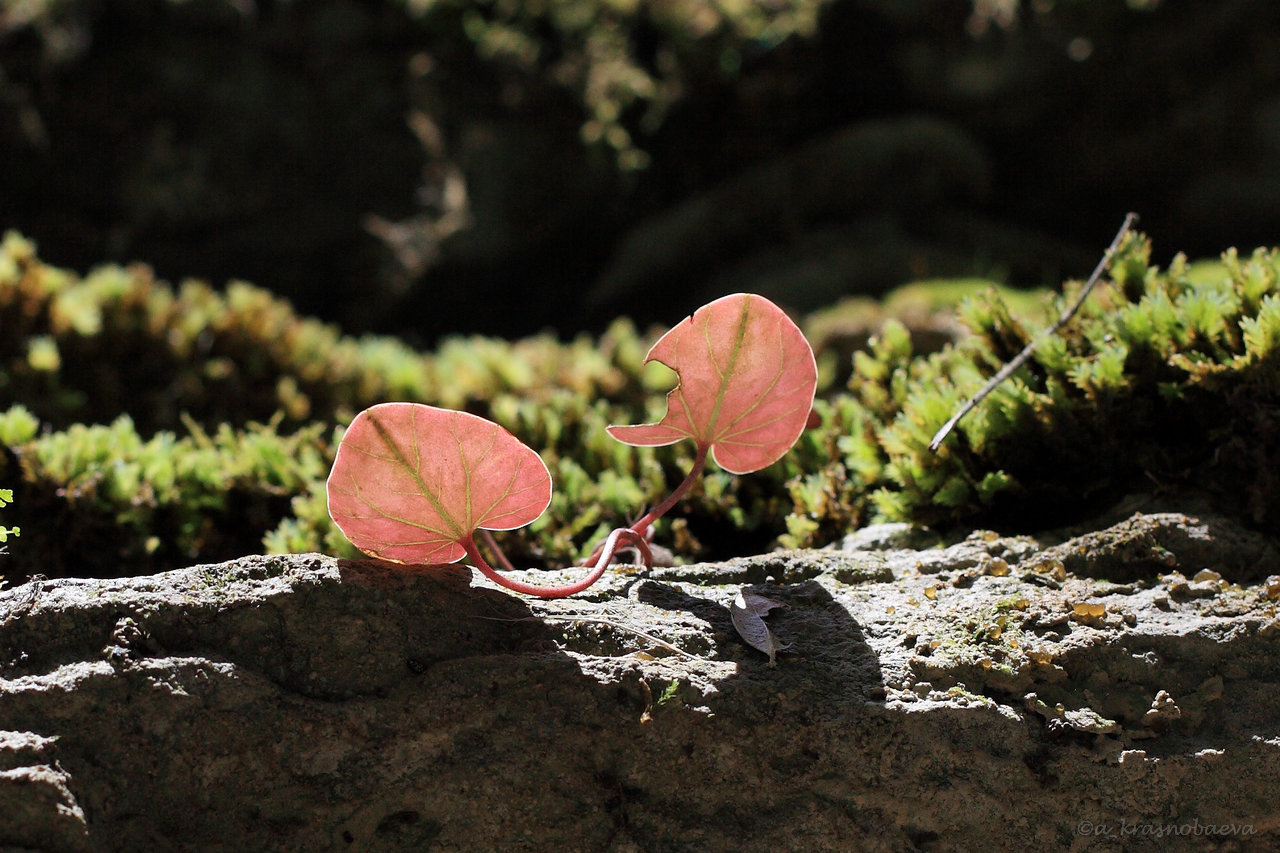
(641, 527)
(501, 558)
(635, 540)
(699, 462)
(607, 551)
(640, 543)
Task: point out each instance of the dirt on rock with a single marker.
(1117, 689)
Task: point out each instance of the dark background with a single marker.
(440, 167)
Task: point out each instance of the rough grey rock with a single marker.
(975, 696)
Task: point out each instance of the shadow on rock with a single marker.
(322, 628)
(826, 668)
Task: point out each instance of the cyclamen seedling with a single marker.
(413, 483)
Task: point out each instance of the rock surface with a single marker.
(997, 693)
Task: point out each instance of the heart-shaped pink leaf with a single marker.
(747, 380)
(412, 483)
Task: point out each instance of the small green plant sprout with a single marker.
(6, 497)
(415, 484)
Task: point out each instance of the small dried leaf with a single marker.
(759, 604)
(747, 614)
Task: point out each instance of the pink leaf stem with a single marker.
(607, 550)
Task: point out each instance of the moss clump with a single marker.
(144, 427)
(103, 492)
(85, 349)
(1166, 379)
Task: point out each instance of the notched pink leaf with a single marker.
(411, 483)
(747, 381)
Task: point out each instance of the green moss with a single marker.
(104, 492)
(145, 427)
(1165, 376)
(86, 349)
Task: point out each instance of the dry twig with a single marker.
(1021, 358)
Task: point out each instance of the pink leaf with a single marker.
(412, 483)
(747, 380)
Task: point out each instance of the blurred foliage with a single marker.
(627, 62)
(144, 427)
(428, 167)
